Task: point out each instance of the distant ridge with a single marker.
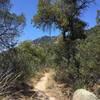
(44, 40)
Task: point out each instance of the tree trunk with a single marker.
(64, 35)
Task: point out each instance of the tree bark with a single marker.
(64, 35)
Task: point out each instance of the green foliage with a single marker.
(89, 54)
(65, 61)
(33, 55)
(10, 25)
(11, 70)
(63, 15)
(84, 67)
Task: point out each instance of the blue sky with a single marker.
(29, 8)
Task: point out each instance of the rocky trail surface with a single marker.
(48, 86)
(44, 89)
(47, 89)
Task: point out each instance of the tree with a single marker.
(98, 17)
(10, 25)
(64, 15)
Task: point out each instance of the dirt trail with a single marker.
(46, 82)
(45, 89)
(42, 84)
(47, 85)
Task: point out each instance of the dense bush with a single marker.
(83, 68)
(34, 56)
(89, 56)
(11, 70)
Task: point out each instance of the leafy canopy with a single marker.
(62, 14)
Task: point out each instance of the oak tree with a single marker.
(10, 25)
(64, 15)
